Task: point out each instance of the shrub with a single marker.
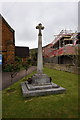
(26, 65)
(13, 69)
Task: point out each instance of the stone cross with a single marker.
(39, 58)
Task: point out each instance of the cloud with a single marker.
(24, 17)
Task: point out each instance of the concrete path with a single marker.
(6, 79)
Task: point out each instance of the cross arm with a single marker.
(37, 27)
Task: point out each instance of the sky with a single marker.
(23, 17)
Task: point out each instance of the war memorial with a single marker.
(40, 83)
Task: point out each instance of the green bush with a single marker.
(18, 59)
(13, 69)
(26, 65)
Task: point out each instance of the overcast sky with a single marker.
(23, 17)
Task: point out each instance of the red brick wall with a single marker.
(8, 47)
(10, 53)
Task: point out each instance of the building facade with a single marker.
(62, 49)
(22, 52)
(8, 50)
(7, 45)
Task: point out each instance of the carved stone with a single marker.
(40, 83)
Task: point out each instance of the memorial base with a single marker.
(41, 85)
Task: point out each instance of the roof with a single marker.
(62, 34)
(11, 29)
(22, 52)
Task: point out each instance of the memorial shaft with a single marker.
(39, 58)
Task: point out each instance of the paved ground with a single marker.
(6, 79)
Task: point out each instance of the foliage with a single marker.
(34, 59)
(29, 61)
(18, 59)
(33, 56)
(26, 65)
(12, 69)
(12, 66)
(52, 106)
(9, 68)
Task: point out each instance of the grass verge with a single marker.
(52, 106)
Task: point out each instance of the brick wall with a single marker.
(8, 47)
(10, 53)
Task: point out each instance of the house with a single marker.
(8, 50)
(7, 45)
(63, 48)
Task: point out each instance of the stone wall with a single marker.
(64, 59)
(51, 60)
(63, 67)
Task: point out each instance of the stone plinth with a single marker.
(40, 79)
(30, 90)
(40, 85)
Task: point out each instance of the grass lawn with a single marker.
(52, 106)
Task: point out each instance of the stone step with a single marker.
(24, 89)
(29, 93)
(39, 87)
